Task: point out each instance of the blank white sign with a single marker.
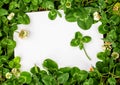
(51, 39)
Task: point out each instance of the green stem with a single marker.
(113, 75)
(86, 54)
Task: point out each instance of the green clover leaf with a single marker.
(86, 39)
(52, 14)
(50, 65)
(112, 81)
(3, 12)
(78, 35)
(85, 23)
(23, 18)
(25, 77)
(63, 78)
(75, 42)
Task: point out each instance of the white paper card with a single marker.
(51, 39)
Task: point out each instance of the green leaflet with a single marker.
(48, 80)
(1, 4)
(23, 18)
(25, 77)
(83, 75)
(50, 65)
(101, 56)
(78, 35)
(15, 63)
(52, 14)
(75, 42)
(35, 69)
(117, 72)
(89, 82)
(70, 16)
(48, 4)
(85, 23)
(27, 1)
(3, 12)
(6, 1)
(35, 2)
(112, 81)
(9, 43)
(86, 39)
(63, 78)
(13, 5)
(103, 29)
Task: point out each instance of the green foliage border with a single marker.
(106, 72)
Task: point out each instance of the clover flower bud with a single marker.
(96, 16)
(68, 5)
(14, 70)
(91, 69)
(108, 43)
(115, 55)
(8, 75)
(10, 16)
(23, 34)
(116, 6)
(107, 46)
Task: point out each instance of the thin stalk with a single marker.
(86, 53)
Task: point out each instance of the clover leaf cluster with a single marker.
(82, 12)
(79, 40)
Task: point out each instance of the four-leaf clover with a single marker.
(79, 40)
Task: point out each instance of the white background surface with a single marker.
(51, 39)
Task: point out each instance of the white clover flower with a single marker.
(104, 47)
(14, 70)
(115, 55)
(107, 46)
(23, 34)
(8, 75)
(10, 16)
(116, 6)
(91, 69)
(108, 43)
(96, 16)
(17, 74)
(68, 5)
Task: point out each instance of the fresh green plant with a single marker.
(84, 13)
(79, 40)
